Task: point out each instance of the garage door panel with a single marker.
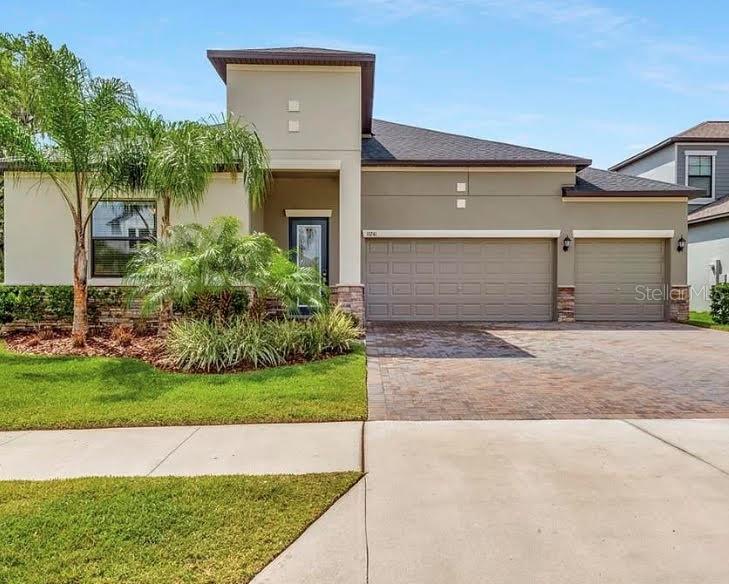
(461, 280)
(608, 274)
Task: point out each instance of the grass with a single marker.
(156, 530)
(38, 392)
(704, 320)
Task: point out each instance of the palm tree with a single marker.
(77, 120)
(209, 263)
(178, 159)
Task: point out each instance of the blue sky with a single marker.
(597, 78)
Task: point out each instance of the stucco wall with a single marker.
(302, 192)
(708, 242)
(39, 229)
(509, 200)
(329, 102)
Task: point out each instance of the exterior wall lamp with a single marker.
(681, 245)
(566, 243)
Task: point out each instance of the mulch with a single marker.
(149, 348)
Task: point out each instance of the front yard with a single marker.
(704, 320)
(39, 392)
(156, 530)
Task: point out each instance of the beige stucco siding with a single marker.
(328, 97)
(402, 200)
(328, 139)
(39, 230)
(301, 193)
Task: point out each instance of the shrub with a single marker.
(720, 303)
(39, 303)
(195, 263)
(205, 345)
(123, 334)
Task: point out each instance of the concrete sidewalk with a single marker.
(183, 451)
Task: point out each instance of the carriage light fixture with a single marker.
(566, 243)
(681, 245)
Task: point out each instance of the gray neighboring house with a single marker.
(697, 157)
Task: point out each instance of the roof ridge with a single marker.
(442, 133)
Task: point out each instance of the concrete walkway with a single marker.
(183, 451)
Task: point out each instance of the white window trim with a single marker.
(711, 153)
(308, 213)
(461, 233)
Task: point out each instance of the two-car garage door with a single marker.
(454, 279)
(511, 279)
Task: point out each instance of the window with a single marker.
(700, 172)
(117, 230)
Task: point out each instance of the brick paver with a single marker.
(452, 371)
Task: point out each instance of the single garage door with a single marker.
(613, 277)
(451, 279)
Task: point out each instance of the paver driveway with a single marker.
(436, 371)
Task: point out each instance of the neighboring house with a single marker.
(708, 250)
(698, 157)
(405, 223)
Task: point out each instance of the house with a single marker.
(708, 245)
(697, 157)
(404, 223)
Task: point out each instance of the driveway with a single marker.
(510, 502)
(463, 371)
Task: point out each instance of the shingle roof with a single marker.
(713, 130)
(708, 130)
(221, 58)
(597, 182)
(398, 144)
(716, 210)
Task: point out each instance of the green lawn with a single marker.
(155, 530)
(92, 392)
(703, 319)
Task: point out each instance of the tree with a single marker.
(73, 140)
(209, 263)
(177, 160)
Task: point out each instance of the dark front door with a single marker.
(309, 238)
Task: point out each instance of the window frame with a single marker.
(709, 153)
(93, 239)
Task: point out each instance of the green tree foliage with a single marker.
(70, 133)
(196, 262)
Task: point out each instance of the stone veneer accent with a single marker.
(351, 298)
(679, 303)
(565, 304)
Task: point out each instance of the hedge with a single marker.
(720, 303)
(53, 303)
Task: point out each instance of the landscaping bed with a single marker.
(221, 529)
